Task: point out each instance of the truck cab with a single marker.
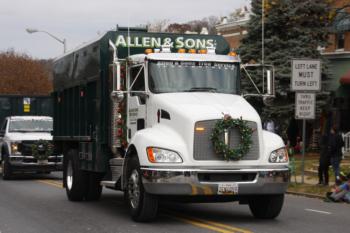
(26, 145)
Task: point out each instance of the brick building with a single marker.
(234, 28)
(338, 55)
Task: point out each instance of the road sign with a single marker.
(305, 105)
(306, 75)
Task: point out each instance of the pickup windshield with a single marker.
(188, 76)
(30, 125)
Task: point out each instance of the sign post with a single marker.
(304, 109)
(306, 76)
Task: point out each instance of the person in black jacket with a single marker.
(335, 144)
(324, 162)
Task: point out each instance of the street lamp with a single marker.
(63, 41)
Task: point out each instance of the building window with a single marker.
(340, 39)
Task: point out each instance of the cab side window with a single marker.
(137, 73)
(137, 82)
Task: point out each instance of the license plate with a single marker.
(227, 188)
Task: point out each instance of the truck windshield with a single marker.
(30, 125)
(184, 76)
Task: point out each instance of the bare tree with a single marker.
(158, 25)
(22, 75)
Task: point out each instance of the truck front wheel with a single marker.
(143, 206)
(76, 180)
(266, 206)
(6, 168)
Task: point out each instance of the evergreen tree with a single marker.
(293, 29)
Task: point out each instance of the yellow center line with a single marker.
(53, 181)
(206, 224)
(199, 224)
(216, 226)
(58, 185)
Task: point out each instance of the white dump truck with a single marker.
(161, 116)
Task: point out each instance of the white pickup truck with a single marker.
(25, 143)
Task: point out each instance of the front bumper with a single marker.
(162, 181)
(29, 163)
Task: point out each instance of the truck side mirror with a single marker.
(2, 133)
(116, 94)
(266, 88)
(270, 82)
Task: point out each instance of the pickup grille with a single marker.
(203, 147)
(26, 148)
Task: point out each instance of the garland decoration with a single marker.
(226, 124)
(42, 149)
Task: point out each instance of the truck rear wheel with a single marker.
(76, 180)
(94, 189)
(266, 206)
(143, 206)
(6, 169)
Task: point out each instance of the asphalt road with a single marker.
(38, 204)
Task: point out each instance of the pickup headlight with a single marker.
(279, 156)
(158, 155)
(15, 147)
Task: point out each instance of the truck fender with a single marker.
(160, 136)
(271, 142)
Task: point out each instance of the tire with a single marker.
(94, 189)
(266, 206)
(143, 206)
(6, 168)
(76, 180)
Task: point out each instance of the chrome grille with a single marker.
(203, 147)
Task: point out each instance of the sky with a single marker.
(80, 21)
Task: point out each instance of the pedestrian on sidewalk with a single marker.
(341, 192)
(324, 162)
(335, 144)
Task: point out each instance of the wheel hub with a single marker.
(69, 175)
(134, 189)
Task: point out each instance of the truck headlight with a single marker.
(279, 156)
(158, 155)
(15, 147)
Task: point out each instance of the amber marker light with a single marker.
(202, 51)
(181, 51)
(200, 129)
(148, 51)
(233, 54)
(150, 155)
(192, 51)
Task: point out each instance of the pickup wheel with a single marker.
(143, 206)
(6, 168)
(76, 180)
(266, 206)
(94, 190)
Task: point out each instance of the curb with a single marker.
(306, 195)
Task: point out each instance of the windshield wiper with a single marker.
(194, 89)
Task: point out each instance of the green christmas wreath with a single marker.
(42, 149)
(221, 148)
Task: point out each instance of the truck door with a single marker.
(136, 100)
